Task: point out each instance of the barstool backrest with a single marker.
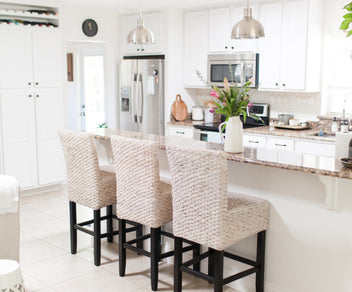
(137, 181)
(199, 193)
(82, 167)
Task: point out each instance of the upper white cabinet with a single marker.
(153, 22)
(196, 38)
(285, 50)
(221, 22)
(30, 58)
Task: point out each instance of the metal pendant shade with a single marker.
(140, 35)
(248, 27)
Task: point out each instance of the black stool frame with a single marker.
(96, 233)
(216, 266)
(154, 254)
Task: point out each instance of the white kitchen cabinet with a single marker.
(18, 135)
(278, 143)
(320, 148)
(153, 22)
(29, 123)
(196, 39)
(48, 107)
(254, 141)
(181, 131)
(30, 58)
(284, 52)
(221, 22)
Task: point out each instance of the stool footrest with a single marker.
(137, 250)
(240, 275)
(197, 274)
(240, 259)
(197, 259)
(138, 239)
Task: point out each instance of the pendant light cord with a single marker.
(140, 9)
(247, 4)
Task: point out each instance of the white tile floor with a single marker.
(48, 265)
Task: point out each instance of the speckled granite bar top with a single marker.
(308, 163)
(268, 130)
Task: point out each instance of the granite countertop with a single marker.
(307, 163)
(269, 130)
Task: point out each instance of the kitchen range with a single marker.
(210, 131)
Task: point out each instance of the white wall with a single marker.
(108, 34)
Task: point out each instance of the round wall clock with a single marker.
(90, 27)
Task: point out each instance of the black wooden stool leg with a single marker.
(139, 233)
(211, 262)
(97, 243)
(196, 253)
(73, 230)
(177, 264)
(155, 238)
(109, 223)
(122, 249)
(260, 261)
(218, 270)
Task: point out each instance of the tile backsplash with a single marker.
(305, 106)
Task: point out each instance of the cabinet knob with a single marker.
(29, 83)
(138, 50)
(284, 84)
(37, 95)
(232, 48)
(36, 83)
(226, 47)
(277, 84)
(30, 95)
(142, 49)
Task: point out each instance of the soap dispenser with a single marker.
(334, 125)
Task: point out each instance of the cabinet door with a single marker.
(294, 45)
(196, 37)
(48, 105)
(154, 22)
(18, 136)
(219, 30)
(15, 59)
(237, 14)
(47, 58)
(270, 46)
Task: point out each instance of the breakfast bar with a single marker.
(311, 214)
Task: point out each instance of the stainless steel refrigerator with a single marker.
(142, 94)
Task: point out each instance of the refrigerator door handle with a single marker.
(140, 99)
(134, 97)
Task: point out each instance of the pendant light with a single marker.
(248, 27)
(140, 35)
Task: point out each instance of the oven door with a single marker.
(232, 70)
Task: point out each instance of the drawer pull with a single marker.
(256, 142)
(282, 145)
(179, 132)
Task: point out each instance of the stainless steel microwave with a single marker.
(238, 68)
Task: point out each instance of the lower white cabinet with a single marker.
(275, 143)
(31, 149)
(180, 131)
(254, 141)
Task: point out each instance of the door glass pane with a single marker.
(94, 91)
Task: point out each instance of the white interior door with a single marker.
(15, 59)
(18, 135)
(47, 58)
(48, 107)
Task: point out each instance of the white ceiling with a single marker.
(131, 6)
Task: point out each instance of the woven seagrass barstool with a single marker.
(204, 212)
(142, 198)
(90, 186)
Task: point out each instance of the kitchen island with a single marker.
(309, 242)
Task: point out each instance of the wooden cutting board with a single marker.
(179, 109)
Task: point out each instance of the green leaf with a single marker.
(349, 33)
(345, 24)
(348, 7)
(347, 16)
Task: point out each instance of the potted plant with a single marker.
(347, 19)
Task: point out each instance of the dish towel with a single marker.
(9, 194)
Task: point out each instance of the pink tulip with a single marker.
(214, 93)
(212, 111)
(224, 103)
(246, 98)
(250, 105)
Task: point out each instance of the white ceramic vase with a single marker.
(234, 135)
